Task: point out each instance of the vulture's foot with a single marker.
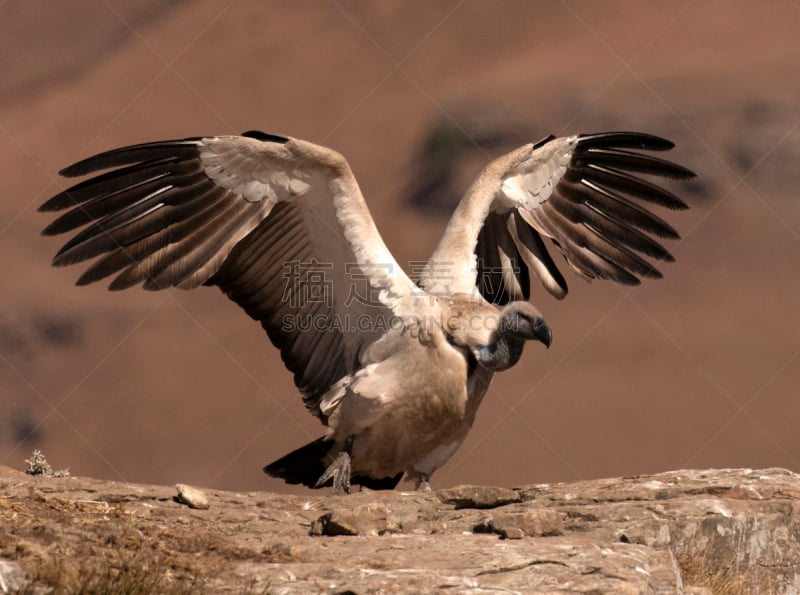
(339, 470)
(423, 482)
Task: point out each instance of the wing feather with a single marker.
(607, 226)
(534, 253)
(584, 193)
(238, 212)
(613, 179)
(502, 272)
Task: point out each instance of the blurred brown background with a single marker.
(700, 369)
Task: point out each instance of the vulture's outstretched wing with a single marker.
(584, 193)
(279, 224)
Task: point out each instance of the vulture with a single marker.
(394, 369)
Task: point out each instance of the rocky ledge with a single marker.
(684, 531)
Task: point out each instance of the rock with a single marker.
(192, 497)
(468, 496)
(531, 523)
(685, 531)
(368, 519)
(11, 577)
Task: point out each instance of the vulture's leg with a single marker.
(339, 469)
(423, 482)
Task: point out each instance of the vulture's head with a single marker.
(519, 322)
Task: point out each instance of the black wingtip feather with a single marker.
(265, 136)
(544, 141)
(615, 179)
(54, 228)
(637, 162)
(183, 148)
(624, 140)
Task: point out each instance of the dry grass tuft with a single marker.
(142, 573)
(38, 465)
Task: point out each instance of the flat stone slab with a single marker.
(694, 531)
